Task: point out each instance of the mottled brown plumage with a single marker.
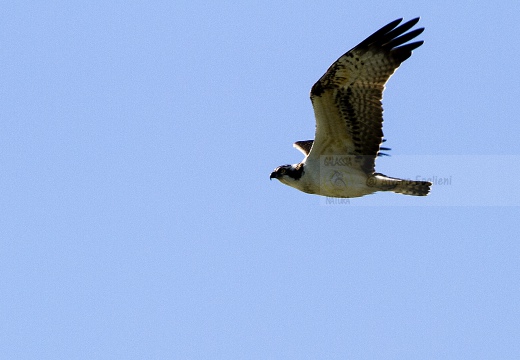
(352, 89)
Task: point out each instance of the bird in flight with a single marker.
(340, 161)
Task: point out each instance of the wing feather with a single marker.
(304, 146)
(347, 98)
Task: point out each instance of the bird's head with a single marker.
(287, 173)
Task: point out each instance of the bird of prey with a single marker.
(340, 161)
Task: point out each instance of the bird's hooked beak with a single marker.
(273, 175)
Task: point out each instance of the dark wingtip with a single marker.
(414, 20)
(393, 34)
(379, 33)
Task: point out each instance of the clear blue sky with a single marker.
(137, 216)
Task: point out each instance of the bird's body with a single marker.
(340, 161)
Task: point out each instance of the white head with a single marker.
(288, 174)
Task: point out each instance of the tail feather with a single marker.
(401, 186)
(413, 187)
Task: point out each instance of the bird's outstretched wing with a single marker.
(347, 98)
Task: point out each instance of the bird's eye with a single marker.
(282, 171)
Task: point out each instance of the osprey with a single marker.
(340, 161)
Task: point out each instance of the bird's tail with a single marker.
(401, 186)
